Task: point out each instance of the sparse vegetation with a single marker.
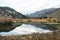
(34, 36)
(6, 24)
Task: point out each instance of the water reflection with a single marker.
(25, 29)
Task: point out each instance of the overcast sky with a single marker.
(28, 6)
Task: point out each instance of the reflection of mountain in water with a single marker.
(25, 29)
(44, 26)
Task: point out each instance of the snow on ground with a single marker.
(24, 29)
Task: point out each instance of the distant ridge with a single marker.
(56, 14)
(45, 13)
(6, 13)
(9, 12)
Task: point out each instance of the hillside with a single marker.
(6, 16)
(9, 12)
(43, 13)
(55, 14)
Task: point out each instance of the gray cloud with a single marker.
(27, 6)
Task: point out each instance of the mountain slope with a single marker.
(56, 14)
(9, 12)
(43, 13)
(7, 24)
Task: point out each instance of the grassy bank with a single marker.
(35, 36)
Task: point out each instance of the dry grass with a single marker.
(35, 36)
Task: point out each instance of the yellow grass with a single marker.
(35, 36)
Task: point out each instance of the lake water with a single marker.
(25, 29)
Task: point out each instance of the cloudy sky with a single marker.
(28, 6)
